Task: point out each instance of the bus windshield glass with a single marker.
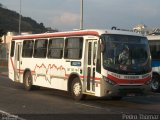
(126, 54)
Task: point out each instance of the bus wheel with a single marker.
(76, 89)
(155, 84)
(28, 81)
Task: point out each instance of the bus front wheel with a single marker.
(155, 84)
(27, 81)
(76, 89)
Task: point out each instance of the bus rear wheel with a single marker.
(27, 81)
(155, 84)
(76, 89)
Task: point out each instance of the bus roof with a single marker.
(94, 32)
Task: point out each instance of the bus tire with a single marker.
(155, 84)
(76, 89)
(28, 81)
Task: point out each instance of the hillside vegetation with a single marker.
(9, 21)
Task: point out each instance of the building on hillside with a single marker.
(4, 46)
(7, 38)
(141, 28)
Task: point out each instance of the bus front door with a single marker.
(17, 62)
(91, 48)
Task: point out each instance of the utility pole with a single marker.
(20, 16)
(81, 19)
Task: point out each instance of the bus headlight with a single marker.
(109, 81)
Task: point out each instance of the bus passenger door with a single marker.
(90, 59)
(18, 48)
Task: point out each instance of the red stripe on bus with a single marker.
(12, 63)
(63, 34)
(21, 71)
(82, 77)
(129, 81)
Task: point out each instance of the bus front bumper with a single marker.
(127, 90)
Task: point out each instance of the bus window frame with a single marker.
(80, 48)
(62, 48)
(41, 48)
(33, 43)
(12, 52)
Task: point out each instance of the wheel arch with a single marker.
(25, 71)
(155, 84)
(70, 79)
(155, 73)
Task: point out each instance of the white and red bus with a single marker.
(86, 62)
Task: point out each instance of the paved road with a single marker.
(46, 103)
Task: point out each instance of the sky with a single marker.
(99, 14)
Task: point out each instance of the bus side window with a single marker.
(40, 48)
(73, 48)
(55, 48)
(12, 48)
(27, 50)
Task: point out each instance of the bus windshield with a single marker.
(126, 54)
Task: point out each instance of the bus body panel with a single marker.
(154, 42)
